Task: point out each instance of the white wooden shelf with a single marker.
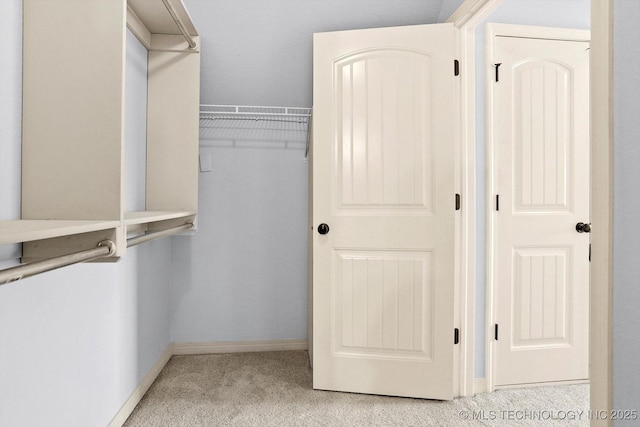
(145, 217)
(25, 230)
(28, 230)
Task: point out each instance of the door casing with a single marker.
(467, 17)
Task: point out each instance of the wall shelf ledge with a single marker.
(145, 217)
(27, 230)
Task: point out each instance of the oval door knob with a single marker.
(581, 227)
(323, 228)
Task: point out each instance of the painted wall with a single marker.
(135, 138)
(10, 117)
(243, 276)
(566, 13)
(626, 246)
(75, 342)
(259, 52)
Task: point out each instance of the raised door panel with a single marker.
(383, 304)
(543, 137)
(542, 313)
(382, 122)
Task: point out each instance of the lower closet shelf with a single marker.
(26, 230)
(144, 217)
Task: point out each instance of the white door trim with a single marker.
(466, 18)
(493, 31)
(601, 74)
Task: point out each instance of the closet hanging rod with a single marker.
(180, 24)
(105, 248)
(156, 234)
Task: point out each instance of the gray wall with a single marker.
(626, 206)
(243, 275)
(548, 13)
(75, 342)
(10, 117)
(135, 138)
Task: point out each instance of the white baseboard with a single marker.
(479, 385)
(142, 388)
(237, 347)
(543, 384)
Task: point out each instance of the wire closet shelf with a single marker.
(210, 114)
(244, 124)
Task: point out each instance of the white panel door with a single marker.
(383, 183)
(541, 173)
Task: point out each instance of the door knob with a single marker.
(323, 228)
(581, 227)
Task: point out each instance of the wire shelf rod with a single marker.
(208, 111)
(256, 119)
(238, 107)
(202, 113)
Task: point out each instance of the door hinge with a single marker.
(456, 67)
(456, 335)
(497, 202)
(589, 252)
(457, 202)
(495, 332)
(497, 66)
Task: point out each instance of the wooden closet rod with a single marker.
(180, 24)
(104, 249)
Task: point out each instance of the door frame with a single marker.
(492, 33)
(467, 17)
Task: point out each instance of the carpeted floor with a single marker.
(274, 389)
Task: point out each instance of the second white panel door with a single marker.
(541, 178)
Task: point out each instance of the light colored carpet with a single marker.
(274, 389)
